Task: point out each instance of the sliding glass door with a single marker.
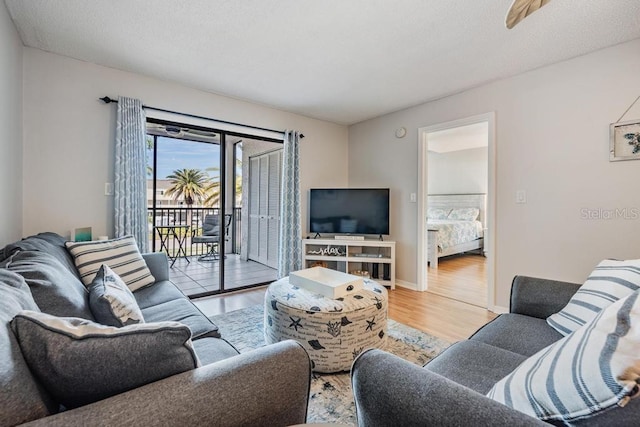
(199, 182)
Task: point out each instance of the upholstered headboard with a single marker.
(450, 201)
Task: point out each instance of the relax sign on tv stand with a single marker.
(348, 255)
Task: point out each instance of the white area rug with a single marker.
(331, 399)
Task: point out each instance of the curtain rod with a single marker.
(108, 100)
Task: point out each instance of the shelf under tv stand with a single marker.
(349, 255)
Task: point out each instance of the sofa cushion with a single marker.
(55, 289)
(507, 331)
(475, 364)
(111, 301)
(158, 293)
(589, 371)
(22, 399)
(610, 281)
(51, 243)
(80, 362)
(183, 311)
(121, 254)
(210, 350)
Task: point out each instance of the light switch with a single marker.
(412, 197)
(521, 196)
(108, 188)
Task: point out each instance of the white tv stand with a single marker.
(353, 255)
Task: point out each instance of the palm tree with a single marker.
(213, 193)
(189, 184)
(213, 189)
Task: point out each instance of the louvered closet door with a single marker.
(254, 208)
(264, 207)
(263, 204)
(273, 208)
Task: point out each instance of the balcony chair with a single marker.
(211, 236)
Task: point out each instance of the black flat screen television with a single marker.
(349, 210)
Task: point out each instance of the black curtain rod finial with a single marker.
(107, 100)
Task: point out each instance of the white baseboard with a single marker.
(407, 285)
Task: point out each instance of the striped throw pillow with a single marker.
(121, 255)
(610, 281)
(595, 368)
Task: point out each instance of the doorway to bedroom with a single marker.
(456, 210)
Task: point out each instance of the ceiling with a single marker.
(341, 61)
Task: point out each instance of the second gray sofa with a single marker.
(450, 390)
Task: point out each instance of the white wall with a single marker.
(11, 126)
(458, 172)
(552, 140)
(69, 138)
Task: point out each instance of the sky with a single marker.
(176, 154)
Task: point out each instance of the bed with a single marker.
(455, 224)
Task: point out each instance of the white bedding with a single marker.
(454, 232)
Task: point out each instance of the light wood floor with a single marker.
(460, 277)
(436, 315)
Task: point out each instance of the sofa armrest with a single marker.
(158, 265)
(540, 298)
(267, 386)
(390, 391)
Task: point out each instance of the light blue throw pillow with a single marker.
(111, 301)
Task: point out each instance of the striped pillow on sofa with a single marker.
(610, 281)
(121, 255)
(593, 369)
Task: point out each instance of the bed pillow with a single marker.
(464, 214)
(121, 255)
(111, 301)
(79, 361)
(610, 281)
(437, 213)
(589, 371)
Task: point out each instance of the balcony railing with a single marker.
(193, 217)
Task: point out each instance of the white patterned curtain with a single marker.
(290, 248)
(130, 172)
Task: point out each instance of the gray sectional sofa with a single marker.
(269, 386)
(450, 390)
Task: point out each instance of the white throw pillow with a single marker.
(121, 255)
(595, 368)
(610, 281)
